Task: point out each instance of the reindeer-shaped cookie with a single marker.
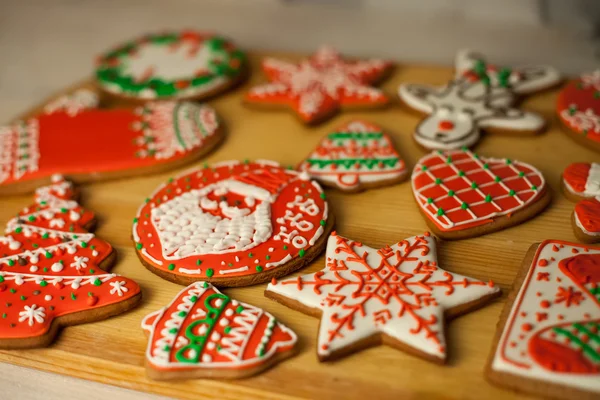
(481, 96)
(73, 137)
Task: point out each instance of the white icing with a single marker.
(458, 110)
(366, 320)
(32, 314)
(524, 309)
(118, 287)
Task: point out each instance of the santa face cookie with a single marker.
(318, 87)
(203, 333)
(578, 109)
(581, 183)
(397, 295)
(462, 195)
(51, 271)
(480, 97)
(357, 156)
(548, 341)
(172, 65)
(76, 139)
(235, 224)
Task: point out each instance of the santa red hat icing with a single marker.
(583, 179)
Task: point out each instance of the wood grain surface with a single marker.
(112, 351)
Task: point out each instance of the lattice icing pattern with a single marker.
(458, 189)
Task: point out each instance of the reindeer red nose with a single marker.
(445, 125)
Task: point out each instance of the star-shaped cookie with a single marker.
(319, 86)
(397, 295)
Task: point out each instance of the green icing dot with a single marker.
(267, 257)
(239, 309)
(508, 161)
(11, 263)
(210, 272)
(521, 174)
(450, 193)
(19, 230)
(533, 187)
(171, 267)
(45, 235)
(323, 222)
(194, 299)
(23, 298)
(438, 181)
(198, 262)
(182, 313)
(322, 195)
(48, 254)
(473, 185)
(488, 198)
(138, 246)
(250, 255)
(31, 218)
(486, 166)
(464, 206)
(440, 212)
(429, 200)
(227, 329)
(97, 282)
(301, 253)
(424, 168)
(135, 220)
(497, 179)
(259, 268)
(73, 296)
(43, 283)
(512, 192)
(1, 279)
(461, 173)
(84, 244)
(285, 247)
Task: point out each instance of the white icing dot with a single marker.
(33, 268)
(229, 312)
(271, 249)
(74, 216)
(94, 253)
(210, 345)
(14, 245)
(56, 267)
(215, 336)
(224, 322)
(206, 358)
(47, 297)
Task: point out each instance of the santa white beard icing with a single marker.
(232, 224)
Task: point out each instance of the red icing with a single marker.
(543, 263)
(583, 96)
(285, 185)
(546, 349)
(317, 87)
(479, 211)
(588, 214)
(53, 278)
(583, 268)
(234, 333)
(576, 175)
(89, 140)
(446, 125)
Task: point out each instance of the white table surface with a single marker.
(47, 45)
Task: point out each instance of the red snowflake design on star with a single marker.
(51, 268)
(398, 291)
(319, 86)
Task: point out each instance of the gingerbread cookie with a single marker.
(318, 87)
(480, 97)
(233, 224)
(52, 271)
(357, 156)
(171, 65)
(581, 183)
(463, 195)
(578, 109)
(397, 295)
(75, 138)
(203, 333)
(548, 340)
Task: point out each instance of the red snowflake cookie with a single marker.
(458, 190)
(204, 333)
(399, 292)
(319, 86)
(73, 137)
(50, 271)
(234, 224)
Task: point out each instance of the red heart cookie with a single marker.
(203, 333)
(74, 138)
(233, 224)
(356, 156)
(464, 195)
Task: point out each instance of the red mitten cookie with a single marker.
(357, 156)
(581, 183)
(51, 271)
(74, 138)
(463, 195)
(578, 108)
(397, 295)
(235, 224)
(548, 340)
(481, 97)
(203, 333)
(319, 86)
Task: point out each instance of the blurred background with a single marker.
(49, 44)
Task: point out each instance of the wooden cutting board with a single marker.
(112, 351)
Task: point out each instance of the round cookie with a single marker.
(581, 183)
(171, 65)
(232, 224)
